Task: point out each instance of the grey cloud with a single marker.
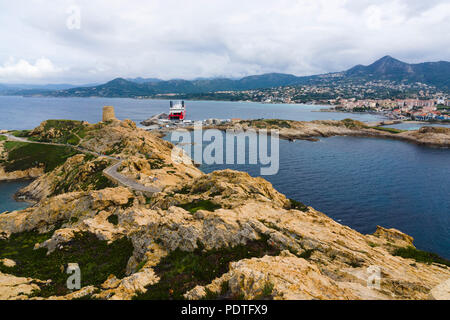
(200, 38)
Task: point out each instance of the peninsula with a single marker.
(109, 197)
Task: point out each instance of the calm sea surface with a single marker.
(360, 182)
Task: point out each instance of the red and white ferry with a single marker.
(177, 110)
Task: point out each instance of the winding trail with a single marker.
(111, 172)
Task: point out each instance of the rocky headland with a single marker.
(224, 235)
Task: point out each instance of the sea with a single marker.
(359, 182)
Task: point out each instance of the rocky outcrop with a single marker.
(8, 263)
(17, 288)
(154, 120)
(224, 210)
(302, 130)
(28, 174)
(78, 173)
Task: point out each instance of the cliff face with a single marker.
(223, 235)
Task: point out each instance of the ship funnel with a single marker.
(171, 104)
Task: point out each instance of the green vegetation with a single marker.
(63, 131)
(22, 156)
(21, 133)
(2, 138)
(278, 123)
(113, 219)
(353, 124)
(297, 205)
(156, 164)
(267, 292)
(116, 148)
(97, 260)
(195, 206)
(181, 271)
(80, 179)
(420, 256)
(390, 130)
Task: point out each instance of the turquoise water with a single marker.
(7, 191)
(416, 126)
(359, 182)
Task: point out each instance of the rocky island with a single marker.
(312, 130)
(155, 229)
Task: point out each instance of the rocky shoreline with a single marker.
(313, 130)
(224, 235)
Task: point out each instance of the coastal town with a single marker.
(400, 109)
(396, 101)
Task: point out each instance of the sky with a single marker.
(93, 41)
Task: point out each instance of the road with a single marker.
(110, 172)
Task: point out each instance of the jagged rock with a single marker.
(154, 120)
(16, 288)
(109, 197)
(82, 293)
(8, 263)
(395, 236)
(128, 287)
(441, 291)
(21, 174)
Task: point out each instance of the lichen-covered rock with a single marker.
(16, 288)
(110, 197)
(128, 287)
(8, 263)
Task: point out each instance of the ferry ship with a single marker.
(177, 111)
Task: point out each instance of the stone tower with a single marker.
(108, 114)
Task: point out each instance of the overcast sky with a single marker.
(45, 42)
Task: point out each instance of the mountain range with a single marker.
(435, 74)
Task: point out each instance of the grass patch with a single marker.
(3, 138)
(297, 205)
(278, 123)
(21, 133)
(267, 292)
(390, 130)
(195, 206)
(97, 260)
(353, 124)
(113, 219)
(420, 256)
(184, 190)
(22, 156)
(181, 271)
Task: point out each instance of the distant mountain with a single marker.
(387, 68)
(144, 80)
(36, 88)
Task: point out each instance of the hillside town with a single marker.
(400, 109)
